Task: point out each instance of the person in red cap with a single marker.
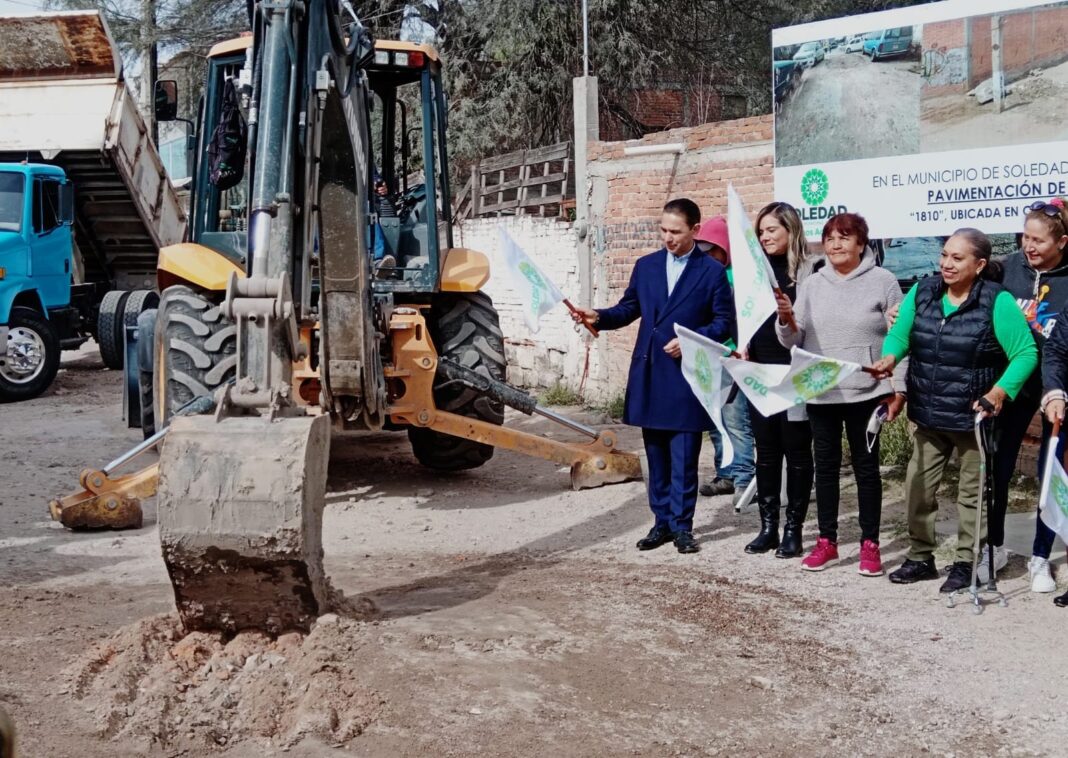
(712, 238)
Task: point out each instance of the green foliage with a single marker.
(559, 394)
(613, 408)
(895, 443)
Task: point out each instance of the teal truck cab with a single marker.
(39, 314)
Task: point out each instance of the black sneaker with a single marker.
(914, 571)
(657, 536)
(717, 486)
(960, 576)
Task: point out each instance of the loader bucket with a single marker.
(240, 519)
(611, 468)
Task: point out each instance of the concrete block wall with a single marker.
(555, 353)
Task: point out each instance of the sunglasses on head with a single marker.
(1048, 208)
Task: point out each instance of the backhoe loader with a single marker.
(277, 312)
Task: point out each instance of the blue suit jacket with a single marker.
(658, 396)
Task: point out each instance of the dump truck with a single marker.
(276, 321)
(64, 102)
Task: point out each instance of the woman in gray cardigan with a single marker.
(840, 312)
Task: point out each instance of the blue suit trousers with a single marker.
(672, 485)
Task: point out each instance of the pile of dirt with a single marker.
(151, 683)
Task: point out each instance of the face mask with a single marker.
(875, 424)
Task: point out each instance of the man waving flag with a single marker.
(754, 295)
(537, 293)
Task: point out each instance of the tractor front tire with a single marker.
(465, 328)
(195, 351)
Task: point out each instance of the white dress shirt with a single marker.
(675, 267)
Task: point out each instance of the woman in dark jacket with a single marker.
(967, 339)
(1037, 276)
(787, 434)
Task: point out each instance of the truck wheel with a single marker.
(195, 351)
(465, 328)
(109, 328)
(136, 304)
(146, 359)
(32, 359)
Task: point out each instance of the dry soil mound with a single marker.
(149, 682)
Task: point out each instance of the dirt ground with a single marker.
(1032, 113)
(497, 613)
(849, 108)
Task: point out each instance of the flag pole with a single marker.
(586, 324)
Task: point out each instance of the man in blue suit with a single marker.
(677, 284)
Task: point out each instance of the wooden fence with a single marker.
(531, 182)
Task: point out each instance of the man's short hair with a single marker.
(686, 208)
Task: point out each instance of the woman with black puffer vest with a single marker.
(967, 340)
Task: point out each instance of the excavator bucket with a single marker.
(240, 519)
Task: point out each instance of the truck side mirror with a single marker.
(66, 203)
(166, 100)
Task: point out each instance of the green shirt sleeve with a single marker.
(1014, 336)
(896, 342)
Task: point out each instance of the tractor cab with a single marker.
(410, 179)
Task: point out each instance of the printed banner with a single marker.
(1053, 500)
(754, 298)
(923, 119)
(702, 365)
(537, 293)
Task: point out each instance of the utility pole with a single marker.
(998, 73)
(585, 111)
(149, 67)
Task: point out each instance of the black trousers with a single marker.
(776, 438)
(1010, 428)
(827, 422)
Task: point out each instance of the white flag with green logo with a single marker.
(1053, 500)
(702, 365)
(773, 388)
(754, 296)
(537, 294)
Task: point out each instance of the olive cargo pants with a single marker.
(930, 453)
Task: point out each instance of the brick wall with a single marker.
(958, 57)
(627, 194)
(668, 107)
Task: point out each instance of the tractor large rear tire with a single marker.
(465, 328)
(196, 351)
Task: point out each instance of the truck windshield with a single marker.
(11, 185)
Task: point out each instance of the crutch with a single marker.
(983, 437)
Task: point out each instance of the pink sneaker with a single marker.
(871, 562)
(823, 555)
